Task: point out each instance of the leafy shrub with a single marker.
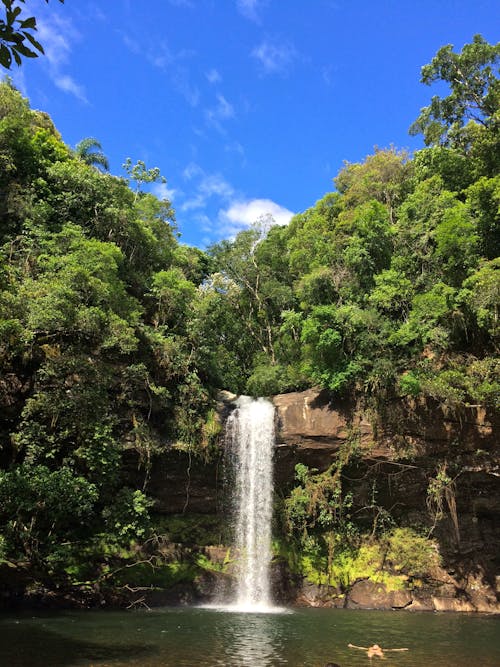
(411, 553)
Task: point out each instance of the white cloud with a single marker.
(274, 58)
(219, 210)
(215, 184)
(224, 110)
(213, 76)
(209, 186)
(57, 36)
(56, 44)
(191, 171)
(69, 85)
(162, 191)
(243, 213)
(249, 9)
(95, 12)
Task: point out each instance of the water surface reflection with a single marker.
(210, 638)
(247, 640)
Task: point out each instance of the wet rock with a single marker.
(314, 595)
(370, 595)
(452, 604)
(284, 585)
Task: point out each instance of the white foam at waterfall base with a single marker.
(250, 447)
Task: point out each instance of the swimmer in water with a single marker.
(376, 651)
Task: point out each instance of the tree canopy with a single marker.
(473, 79)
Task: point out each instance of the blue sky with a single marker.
(248, 107)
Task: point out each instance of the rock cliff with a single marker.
(398, 448)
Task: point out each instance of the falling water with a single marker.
(250, 441)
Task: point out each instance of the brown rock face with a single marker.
(309, 420)
(398, 450)
(311, 429)
(314, 427)
(370, 595)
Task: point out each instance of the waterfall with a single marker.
(250, 443)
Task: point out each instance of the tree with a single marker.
(89, 150)
(16, 38)
(262, 295)
(140, 175)
(472, 76)
(384, 176)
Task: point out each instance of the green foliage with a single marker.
(140, 174)
(89, 150)
(377, 277)
(174, 294)
(483, 199)
(384, 176)
(96, 305)
(399, 559)
(410, 553)
(192, 529)
(452, 167)
(393, 293)
(432, 319)
(40, 508)
(481, 293)
(317, 504)
(128, 517)
(337, 343)
(16, 35)
(206, 563)
(472, 76)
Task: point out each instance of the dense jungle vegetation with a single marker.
(114, 335)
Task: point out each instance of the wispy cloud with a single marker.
(181, 79)
(273, 57)
(213, 76)
(173, 63)
(19, 80)
(243, 213)
(327, 74)
(162, 191)
(222, 111)
(132, 45)
(95, 12)
(191, 171)
(207, 186)
(57, 36)
(249, 8)
(236, 148)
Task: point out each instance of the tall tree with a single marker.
(473, 79)
(89, 150)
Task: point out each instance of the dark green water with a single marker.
(208, 638)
